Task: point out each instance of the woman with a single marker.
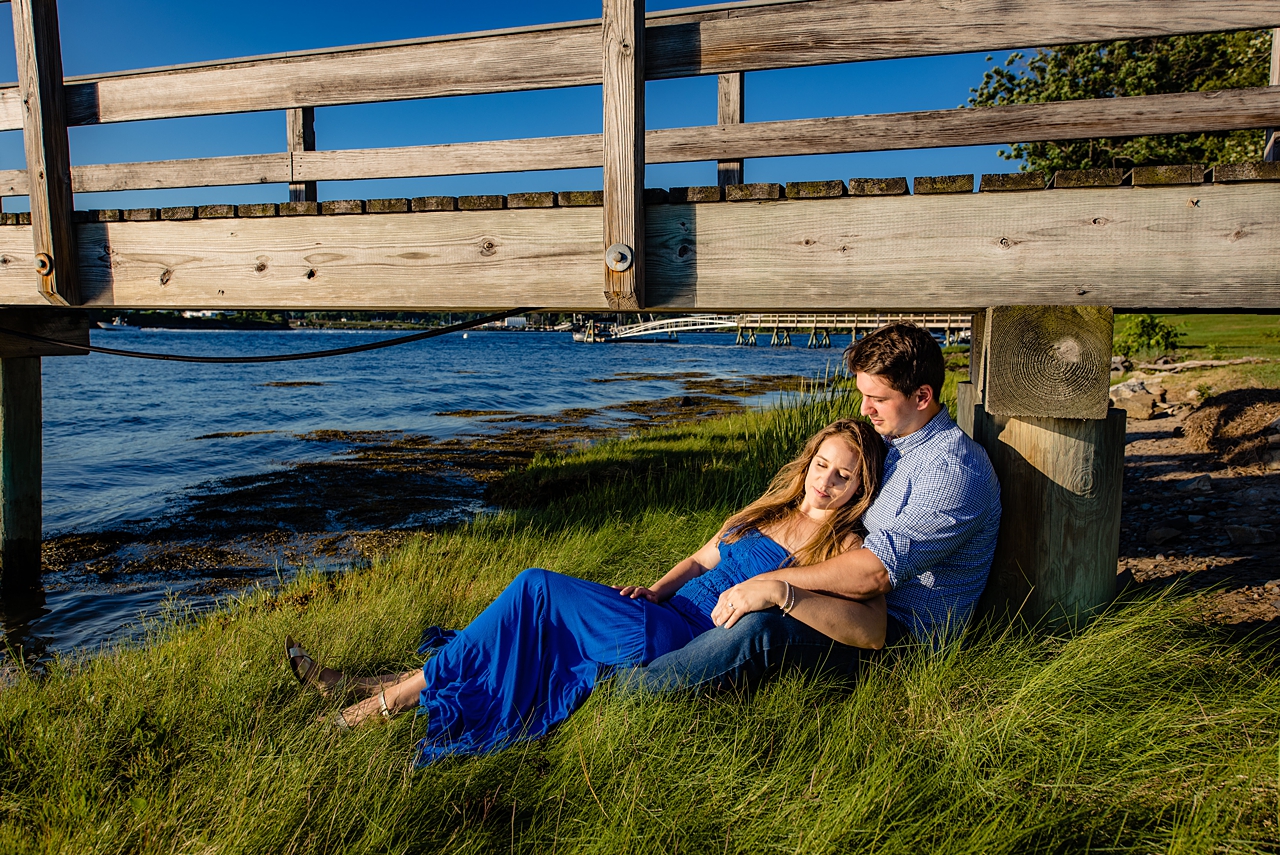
(533, 656)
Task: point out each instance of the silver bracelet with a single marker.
(791, 598)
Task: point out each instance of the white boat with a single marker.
(116, 324)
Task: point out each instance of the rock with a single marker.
(1199, 484)
(1194, 518)
(1274, 427)
(1134, 398)
(1258, 495)
(1272, 585)
(1120, 364)
(686, 401)
(1271, 460)
(1274, 439)
(1160, 536)
(1243, 535)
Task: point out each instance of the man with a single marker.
(931, 534)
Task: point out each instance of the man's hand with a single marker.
(637, 592)
(753, 595)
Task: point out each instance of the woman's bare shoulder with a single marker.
(852, 541)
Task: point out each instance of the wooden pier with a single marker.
(1037, 261)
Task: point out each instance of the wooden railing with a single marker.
(726, 40)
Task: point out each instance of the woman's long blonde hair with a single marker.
(786, 491)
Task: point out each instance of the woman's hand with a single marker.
(637, 592)
(753, 595)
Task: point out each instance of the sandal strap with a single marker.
(382, 702)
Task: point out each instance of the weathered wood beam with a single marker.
(44, 135)
(1048, 361)
(711, 40)
(1205, 247)
(623, 90)
(302, 137)
(731, 104)
(1146, 114)
(1196, 246)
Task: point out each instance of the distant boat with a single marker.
(116, 324)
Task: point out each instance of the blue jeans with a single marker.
(760, 645)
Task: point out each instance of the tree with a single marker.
(1135, 67)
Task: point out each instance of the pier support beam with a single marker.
(20, 471)
(1032, 368)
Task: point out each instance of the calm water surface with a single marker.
(122, 437)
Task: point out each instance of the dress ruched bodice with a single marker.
(752, 554)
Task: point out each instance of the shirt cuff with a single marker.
(889, 553)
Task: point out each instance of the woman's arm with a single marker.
(858, 623)
(696, 564)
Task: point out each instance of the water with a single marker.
(122, 437)
(126, 440)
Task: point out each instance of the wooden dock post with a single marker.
(731, 111)
(44, 134)
(1269, 148)
(1037, 402)
(623, 90)
(302, 137)
(20, 476)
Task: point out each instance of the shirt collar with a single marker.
(933, 427)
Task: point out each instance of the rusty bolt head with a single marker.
(618, 257)
(44, 263)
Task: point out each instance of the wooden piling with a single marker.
(20, 473)
(1060, 478)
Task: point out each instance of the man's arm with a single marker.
(855, 575)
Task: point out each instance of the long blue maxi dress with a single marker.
(534, 655)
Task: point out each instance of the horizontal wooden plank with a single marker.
(1205, 247)
(1148, 114)
(456, 159)
(1197, 247)
(372, 260)
(711, 40)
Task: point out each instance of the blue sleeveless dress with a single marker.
(534, 655)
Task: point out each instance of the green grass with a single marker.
(1208, 336)
(1145, 732)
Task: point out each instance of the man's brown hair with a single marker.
(904, 355)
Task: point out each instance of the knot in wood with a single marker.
(488, 247)
(166, 276)
(1007, 244)
(1067, 350)
(1100, 221)
(311, 274)
(261, 266)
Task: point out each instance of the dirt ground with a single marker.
(1202, 500)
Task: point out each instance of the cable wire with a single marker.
(279, 357)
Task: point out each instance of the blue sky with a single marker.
(124, 34)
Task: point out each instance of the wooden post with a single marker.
(44, 133)
(302, 137)
(1269, 151)
(1060, 474)
(623, 28)
(20, 471)
(731, 112)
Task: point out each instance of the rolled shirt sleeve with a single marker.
(940, 517)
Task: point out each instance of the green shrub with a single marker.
(1147, 337)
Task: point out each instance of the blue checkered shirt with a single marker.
(933, 525)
